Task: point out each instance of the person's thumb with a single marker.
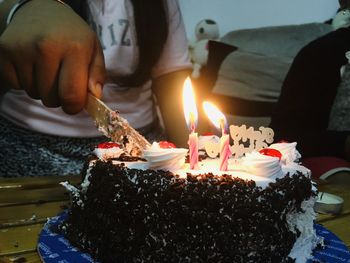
(97, 71)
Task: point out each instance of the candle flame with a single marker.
(189, 105)
(214, 115)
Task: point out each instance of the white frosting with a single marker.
(107, 153)
(288, 150)
(304, 222)
(73, 191)
(171, 159)
(290, 158)
(235, 168)
(293, 168)
(262, 165)
(85, 184)
(253, 166)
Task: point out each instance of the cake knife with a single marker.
(115, 127)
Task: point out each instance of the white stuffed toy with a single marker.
(205, 30)
(341, 19)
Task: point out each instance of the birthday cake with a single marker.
(157, 209)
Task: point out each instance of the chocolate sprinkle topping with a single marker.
(130, 215)
(127, 158)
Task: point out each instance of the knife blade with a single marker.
(115, 127)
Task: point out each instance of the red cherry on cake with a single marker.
(166, 145)
(108, 145)
(271, 152)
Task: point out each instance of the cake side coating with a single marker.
(131, 215)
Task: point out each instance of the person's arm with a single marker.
(308, 93)
(168, 90)
(51, 53)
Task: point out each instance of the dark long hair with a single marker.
(151, 22)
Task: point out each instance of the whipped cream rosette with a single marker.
(288, 150)
(107, 150)
(262, 165)
(290, 158)
(159, 158)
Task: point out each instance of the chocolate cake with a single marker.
(125, 211)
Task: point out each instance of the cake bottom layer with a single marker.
(129, 215)
(53, 247)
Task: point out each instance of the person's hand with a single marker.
(51, 53)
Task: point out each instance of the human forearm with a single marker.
(168, 90)
(5, 7)
(169, 99)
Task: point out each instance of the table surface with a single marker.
(26, 203)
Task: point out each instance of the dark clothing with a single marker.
(29, 153)
(307, 96)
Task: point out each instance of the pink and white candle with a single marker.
(191, 116)
(193, 146)
(225, 149)
(219, 120)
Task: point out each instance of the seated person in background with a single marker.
(50, 57)
(344, 4)
(307, 95)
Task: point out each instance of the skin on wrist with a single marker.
(168, 90)
(5, 7)
(19, 5)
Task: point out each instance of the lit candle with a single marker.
(219, 120)
(191, 116)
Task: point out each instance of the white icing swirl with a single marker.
(107, 153)
(288, 150)
(308, 239)
(262, 165)
(170, 159)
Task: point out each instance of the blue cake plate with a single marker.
(53, 247)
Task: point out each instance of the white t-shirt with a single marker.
(115, 24)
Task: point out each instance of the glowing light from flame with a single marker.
(189, 104)
(215, 115)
